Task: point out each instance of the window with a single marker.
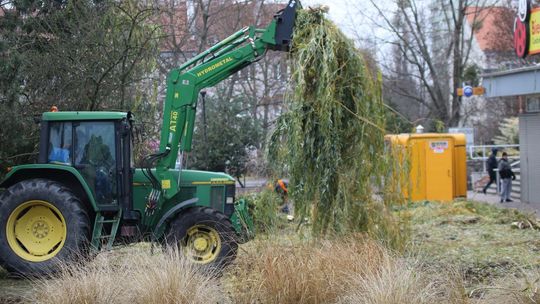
(60, 140)
(95, 158)
(533, 104)
(95, 143)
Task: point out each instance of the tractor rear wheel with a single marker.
(42, 224)
(204, 236)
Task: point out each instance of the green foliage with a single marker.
(264, 210)
(332, 138)
(94, 52)
(439, 126)
(471, 75)
(231, 133)
(509, 132)
(18, 136)
(78, 55)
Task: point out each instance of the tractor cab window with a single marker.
(60, 137)
(95, 158)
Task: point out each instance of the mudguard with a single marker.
(61, 173)
(160, 227)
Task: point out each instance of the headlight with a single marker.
(230, 200)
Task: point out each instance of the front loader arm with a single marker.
(205, 70)
(184, 88)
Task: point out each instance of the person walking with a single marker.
(505, 171)
(491, 166)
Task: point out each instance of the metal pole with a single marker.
(498, 182)
(484, 158)
(205, 127)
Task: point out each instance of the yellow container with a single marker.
(436, 163)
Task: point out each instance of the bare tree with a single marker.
(190, 27)
(433, 41)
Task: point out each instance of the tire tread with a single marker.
(73, 212)
(205, 214)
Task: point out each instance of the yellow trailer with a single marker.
(436, 164)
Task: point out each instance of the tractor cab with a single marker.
(98, 146)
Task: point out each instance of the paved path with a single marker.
(253, 183)
(494, 199)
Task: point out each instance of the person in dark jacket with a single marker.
(491, 166)
(505, 171)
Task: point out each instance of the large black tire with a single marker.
(203, 223)
(38, 193)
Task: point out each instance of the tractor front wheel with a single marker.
(204, 236)
(42, 224)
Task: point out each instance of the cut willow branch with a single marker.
(331, 139)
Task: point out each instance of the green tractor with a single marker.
(83, 194)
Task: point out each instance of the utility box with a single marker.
(529, 145)
(436, 165)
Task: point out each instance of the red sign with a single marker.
(521, 37)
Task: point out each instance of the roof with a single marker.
(492, 27)
(512, 71)
(515, 82)
(403, 139)
(67, 115)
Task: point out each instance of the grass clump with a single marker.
(331, 140)
(94, 283)
(399, 281)
(353, 269)
(293, 271)
(133, 277)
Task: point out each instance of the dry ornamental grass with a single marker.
(289, 269)
(133, 277)
(354, 269)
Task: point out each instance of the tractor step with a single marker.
(99, 240)
(107, 221)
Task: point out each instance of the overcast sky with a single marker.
(338, 9)
(355, 19)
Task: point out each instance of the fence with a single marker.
(481, 152)
(479, 180)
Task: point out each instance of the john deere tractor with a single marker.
(83, 194)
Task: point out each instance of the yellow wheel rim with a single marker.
(202, 244)
(36, 231)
